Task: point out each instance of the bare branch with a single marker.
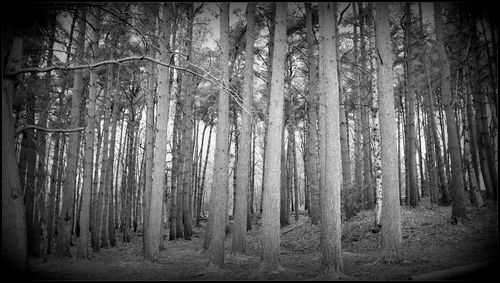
(22, 129)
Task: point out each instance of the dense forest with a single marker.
(259, 141)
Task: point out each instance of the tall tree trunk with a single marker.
(150, 123)
(368, 200)
(411, 170)
(109, 176)
(95, 20)
(14, 237)
(357, 194)
(480, 100)
(102, 209)
(187, 135)
(458, 208)
(220, 174)
(241, 204)
(160, 146)
(65, 223)
(311, 167)
(270, 48)
(391, 218)
(174, 178)
(329, 145)
(270, 212)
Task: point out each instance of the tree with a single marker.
(312, 151)
(14, 238)
(238, 244)
(411, 170)
(95, 20)
(160, 145)
(329, 145)
(65, 224)
(149, 150)
(458, 208)
(220, 175)
(391, 218)
(270, 212)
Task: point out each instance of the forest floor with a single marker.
(430, 243)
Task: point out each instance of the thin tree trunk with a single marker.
(174, 177)
(411, 170)
(312, 171)
(109, 176)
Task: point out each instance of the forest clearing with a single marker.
(430, 243)
(250, 141)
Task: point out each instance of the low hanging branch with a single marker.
(23, 128)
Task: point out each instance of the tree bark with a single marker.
(65, 223)
(220, 174)
(411, 170)
(311, 167)
(160, 147)
(14, 234)
(82, 251)
(242, 178)
(270, 212)
(458, 208)
(391, 218)
(329, 145)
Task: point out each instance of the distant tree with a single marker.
(458, 209)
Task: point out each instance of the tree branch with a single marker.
(23, 128)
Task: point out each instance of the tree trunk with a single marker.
(411, 170)
(65, 223)
(220, 174)
(109, 176)
(480, 100)
(269, 62)
(270, 212)
(160, 147)
(241, 204)
(187, 138)
(175, 173)
(329, 145)
(14, 237)
(391, 218)
(458, 208)
(311, 167)
(356, 195)
(89, 142)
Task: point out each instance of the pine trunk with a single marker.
(65, 223)
(391, 218)
(270, 212)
